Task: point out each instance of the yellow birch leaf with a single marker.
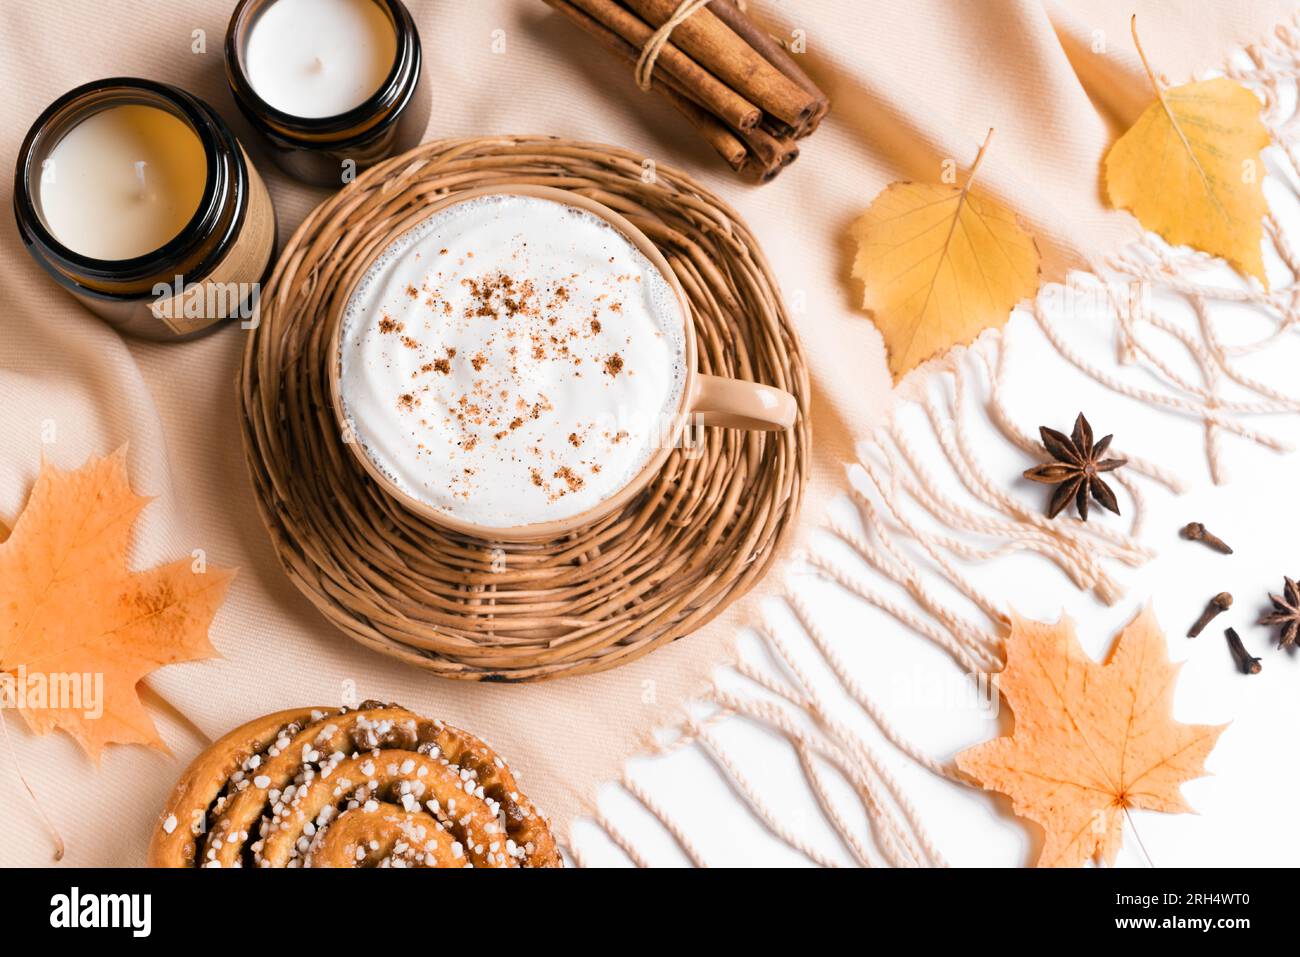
(1189, 169)
(940, 264)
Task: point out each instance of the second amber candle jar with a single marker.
(313, 77)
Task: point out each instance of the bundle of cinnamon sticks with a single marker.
(735, 84)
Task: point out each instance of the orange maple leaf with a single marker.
(69, 606)
(1090, 739)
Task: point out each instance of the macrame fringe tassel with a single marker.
(918, 529)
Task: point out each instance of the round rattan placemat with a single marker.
(699, 537)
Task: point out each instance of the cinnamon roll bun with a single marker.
(374, 786)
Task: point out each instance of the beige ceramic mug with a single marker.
(708, 399)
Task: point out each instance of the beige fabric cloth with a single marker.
(912, 84)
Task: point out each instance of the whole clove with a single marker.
(1218, 604)
(1196, 532)
(1249, 665)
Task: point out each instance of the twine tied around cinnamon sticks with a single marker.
(645, 66)
(739, 87)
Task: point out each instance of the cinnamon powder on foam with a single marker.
(565, 362)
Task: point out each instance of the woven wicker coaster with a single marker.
(699, 537)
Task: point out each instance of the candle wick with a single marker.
(317, 65)
(139, 175)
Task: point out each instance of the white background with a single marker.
(1245, 807)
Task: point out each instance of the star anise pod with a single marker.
(1286, 612)
(1076, 473)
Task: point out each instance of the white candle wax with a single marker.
(315, 58)
(122, 182)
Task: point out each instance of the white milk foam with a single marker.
(512, 360)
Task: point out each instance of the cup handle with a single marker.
(738, 404)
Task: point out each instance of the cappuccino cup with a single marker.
(516, 362)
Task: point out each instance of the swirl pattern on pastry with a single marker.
(375, 786)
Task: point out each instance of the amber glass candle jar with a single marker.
(136, 198)
(333, 99)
